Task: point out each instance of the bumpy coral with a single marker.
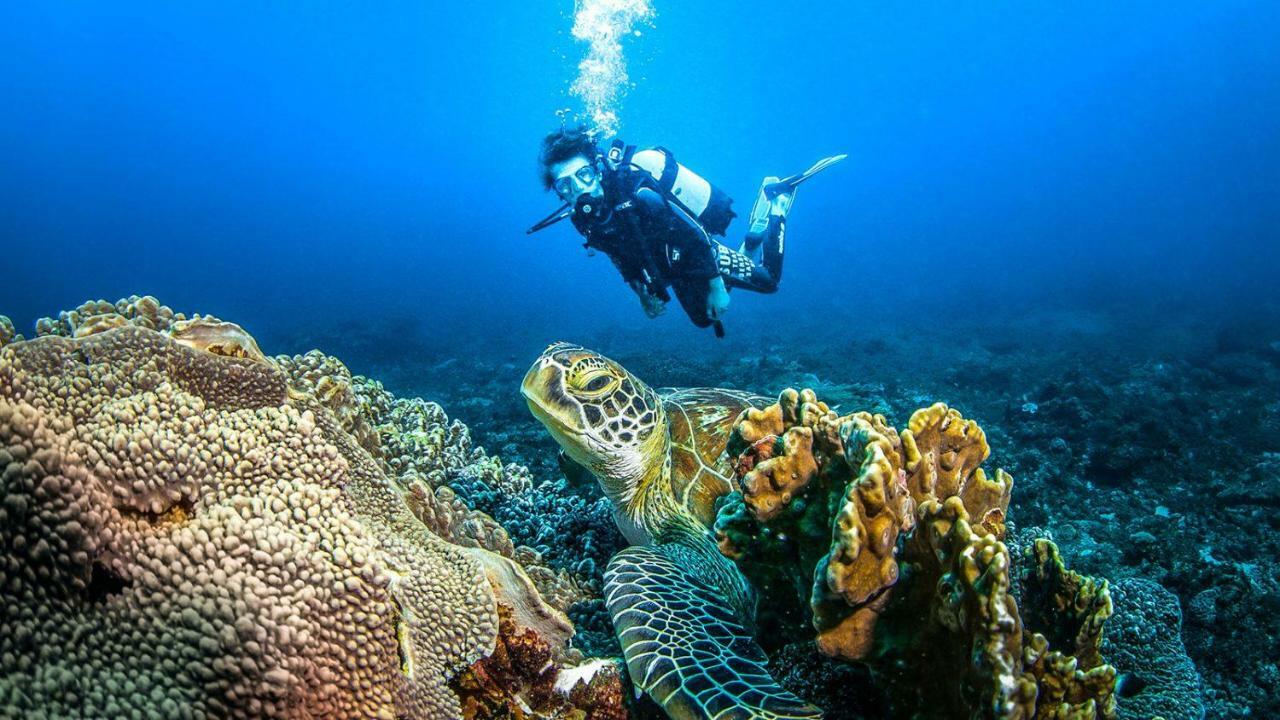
(329, 381)
(941, 605)
(1144, 641)
(1072, 610)
(179, 535)
(447, 516)
(100, 315)
(421, 439)
(421, 448)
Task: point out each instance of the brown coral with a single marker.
(1072, 608)
(519, 679)
(779, 462)
(328, 380)
(179, 535)
(852, 582)
(959, 604)
(98, 315)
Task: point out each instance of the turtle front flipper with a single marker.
(684, 643)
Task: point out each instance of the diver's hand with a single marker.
(717, 299)
(653, 307)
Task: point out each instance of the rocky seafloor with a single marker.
(1151, 458)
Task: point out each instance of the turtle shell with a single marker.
(700, 420)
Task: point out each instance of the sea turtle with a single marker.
(681, 610)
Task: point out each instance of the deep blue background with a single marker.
(300, 166)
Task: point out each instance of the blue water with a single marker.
(294, 166)
(1062, 218)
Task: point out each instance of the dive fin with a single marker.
(775, 199)
(685, 645)
(563, 212)
(790, 183)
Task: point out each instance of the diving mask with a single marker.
(575, 182)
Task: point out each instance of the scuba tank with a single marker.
(708, 205)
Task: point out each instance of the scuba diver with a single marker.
(655, 220)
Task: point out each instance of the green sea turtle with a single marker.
(681, 610)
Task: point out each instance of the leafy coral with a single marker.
(938, 604)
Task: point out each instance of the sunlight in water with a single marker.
(602, 74)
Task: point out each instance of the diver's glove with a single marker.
(653, 307)
(717, 298)
(652, 304)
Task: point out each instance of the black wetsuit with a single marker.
(654, 243)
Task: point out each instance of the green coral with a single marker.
(7, 333)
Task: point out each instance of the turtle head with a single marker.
(604, 418)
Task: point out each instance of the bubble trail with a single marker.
(602, 74)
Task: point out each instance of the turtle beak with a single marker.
(535, 382)
(542, 388)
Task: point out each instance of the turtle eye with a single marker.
(592, 378)
(598, 384)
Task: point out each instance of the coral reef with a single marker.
(1091, 414)
(473, 499)
(796, 458)
(182, 533)
(331, 384)
(813, 481)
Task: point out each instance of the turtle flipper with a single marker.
(684, 644)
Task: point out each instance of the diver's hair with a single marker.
(563, 144)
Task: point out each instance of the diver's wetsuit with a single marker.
(654, 243)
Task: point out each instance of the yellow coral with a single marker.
(1074, 682)
(941, 453)
(851, 582)
(955, 622)
(799, 442)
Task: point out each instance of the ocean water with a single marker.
(1063, 219)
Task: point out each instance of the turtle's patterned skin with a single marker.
(681, 610)
(700, 420)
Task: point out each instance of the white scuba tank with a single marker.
(689, 187)
(705, 204)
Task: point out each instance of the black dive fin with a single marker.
(563, 212)
(790, 183)
(684, 643)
